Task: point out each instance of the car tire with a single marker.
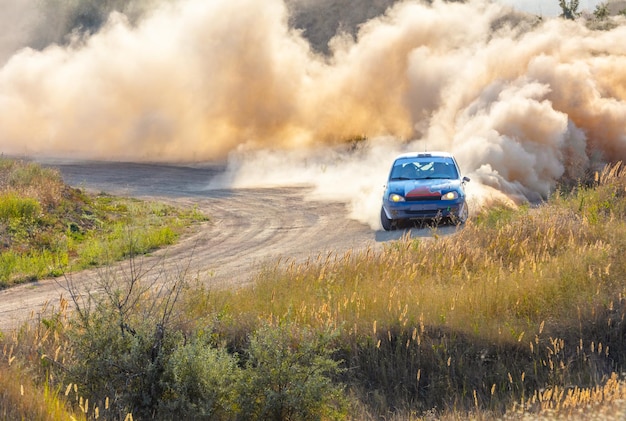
(463, 215)
(388, 224)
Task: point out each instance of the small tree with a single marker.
(569, 8)
(602, 11)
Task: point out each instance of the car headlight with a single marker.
(450, 196)
(393, 197)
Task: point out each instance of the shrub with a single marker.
(200, 382)
(289, 376)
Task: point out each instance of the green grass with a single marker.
(48, 228)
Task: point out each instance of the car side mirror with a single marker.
(466, 179)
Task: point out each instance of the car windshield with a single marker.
(424, 169)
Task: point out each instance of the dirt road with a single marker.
(248, 227)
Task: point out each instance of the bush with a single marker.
(200, 382)
(122, 340)
(128, 344)
(289, 376)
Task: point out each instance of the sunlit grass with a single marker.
(29, 389)
(516, 302)
(494, 282)
(22, 398)
(48, 228)
(518, 315)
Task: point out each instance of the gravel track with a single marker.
(248, 227)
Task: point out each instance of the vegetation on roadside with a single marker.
(521, 309)
(23, 399)
(48, 228)
(519, 313)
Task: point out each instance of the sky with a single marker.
(548, 7)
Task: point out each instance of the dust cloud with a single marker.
(16, 20)
(521, 101)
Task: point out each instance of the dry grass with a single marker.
(31, 359)
(29, 179)
(517, 303)
(23, 397)
(518, 315)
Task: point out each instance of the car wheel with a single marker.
(387, 223)
(463, 215)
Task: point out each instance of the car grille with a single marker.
(432, 213)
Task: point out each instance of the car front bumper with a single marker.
(421, 210)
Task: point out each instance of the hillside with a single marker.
(48, 228)
(321, 20)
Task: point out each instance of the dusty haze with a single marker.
(520, 102)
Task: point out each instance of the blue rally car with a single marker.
(424, 186)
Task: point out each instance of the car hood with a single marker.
(424, 188)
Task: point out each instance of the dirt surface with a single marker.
(248, 228)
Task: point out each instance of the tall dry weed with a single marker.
(30, 179)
